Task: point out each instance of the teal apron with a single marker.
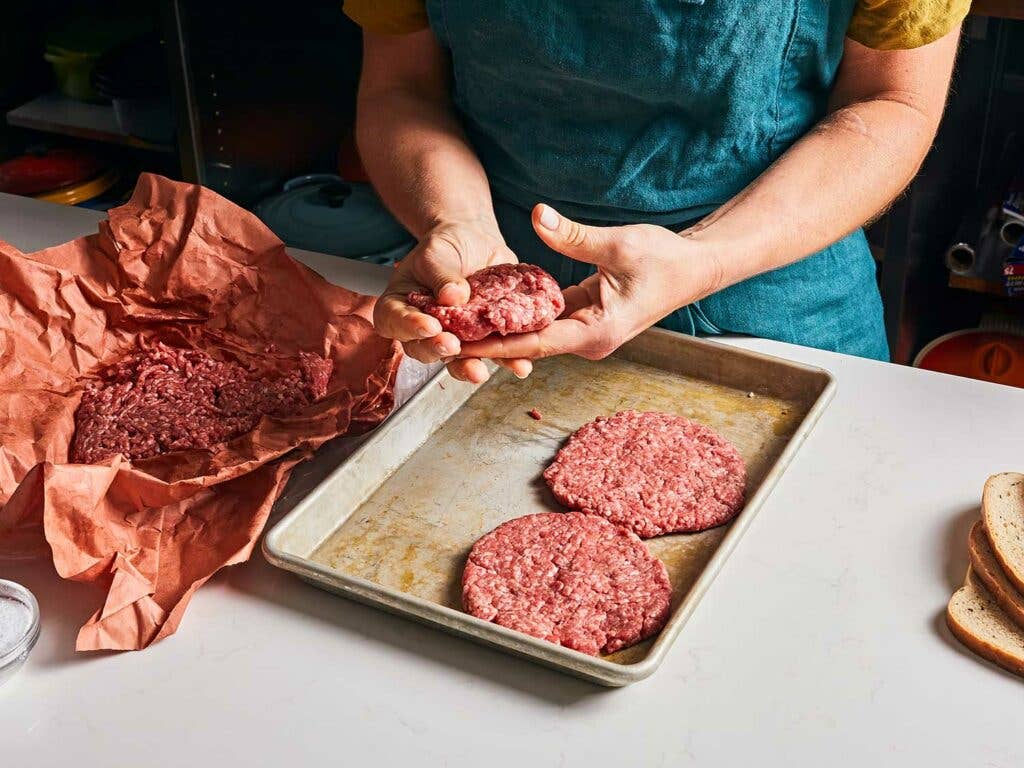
(659, 111)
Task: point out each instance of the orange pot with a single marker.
(977, 354)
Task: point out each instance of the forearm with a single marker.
(419, 160)
(843, 173)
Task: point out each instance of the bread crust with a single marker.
(974, 597)
(986, 567)
(1002, 492)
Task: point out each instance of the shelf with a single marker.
(56, 113)
(977, 285)
(1004, 9)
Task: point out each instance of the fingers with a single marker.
(469, 369)
(439, 266)
(448, 286)
(561, 336)
(521, 368)
(475, 371)
(594, 245)
(394, 318)
(576, 298)
(436, 265)
(433, 349)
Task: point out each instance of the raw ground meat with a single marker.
(569, 578)
(164, 398)
(504, 299)
(654, 473)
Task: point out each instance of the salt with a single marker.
(15, 618)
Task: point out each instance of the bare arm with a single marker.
(844, 172)
(422, 166)
(409, 138)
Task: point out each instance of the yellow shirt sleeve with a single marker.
(889, 25)
(879, 24)
(387, 17)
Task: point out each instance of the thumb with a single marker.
(594, 245)
(438, 268)
(448, 286)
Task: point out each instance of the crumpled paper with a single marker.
(179, 264)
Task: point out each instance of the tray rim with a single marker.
(593, 668)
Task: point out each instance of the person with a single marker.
(704, 165)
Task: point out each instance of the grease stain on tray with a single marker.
(483, 466)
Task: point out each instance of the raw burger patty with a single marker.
(569, 578)
(654, 473)
(164, 398)
(504, 299)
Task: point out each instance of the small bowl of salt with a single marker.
(19, 627)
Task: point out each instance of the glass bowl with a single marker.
(16, 643)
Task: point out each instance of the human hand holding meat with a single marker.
(644, 272)
(440, 264)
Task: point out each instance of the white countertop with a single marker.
(822, 642)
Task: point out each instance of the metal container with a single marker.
(392, 524)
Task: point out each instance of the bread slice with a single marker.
(1002, 509)
(978, 622)
(986, 567)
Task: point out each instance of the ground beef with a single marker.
(654, 473)
(504, 299)
(569, 578)
(164, 398)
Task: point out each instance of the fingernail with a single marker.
(445, 350)
(548, 218)
(425, 333)
(452, 286)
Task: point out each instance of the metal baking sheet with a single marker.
(393, 523)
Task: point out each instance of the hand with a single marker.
(440, 263)
(644, 272)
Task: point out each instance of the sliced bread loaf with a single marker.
(986, 567)
(1002, 509)
(978, 622)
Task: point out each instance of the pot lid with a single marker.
(325, 213)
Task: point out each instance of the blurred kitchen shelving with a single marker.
(51, 99)
(922, 298)
(1005, 9)
(54, 112)
(977, 285)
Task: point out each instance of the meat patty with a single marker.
(653, 473)
(569, 578)
(164, 398)
(504, 299)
